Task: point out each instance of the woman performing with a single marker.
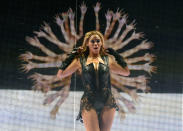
(97, 107)
(102, 69)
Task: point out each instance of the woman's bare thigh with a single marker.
(107, 117)
(90, 120)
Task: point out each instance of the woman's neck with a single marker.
(93, 55)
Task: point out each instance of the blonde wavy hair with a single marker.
(86, 40)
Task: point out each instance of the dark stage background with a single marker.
(161, 21)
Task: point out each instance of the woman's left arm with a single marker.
(117, 69)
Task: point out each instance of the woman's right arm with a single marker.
(75, 65)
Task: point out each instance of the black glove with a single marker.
(70, 57)
(117, 56)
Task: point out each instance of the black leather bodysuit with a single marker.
(97, 87)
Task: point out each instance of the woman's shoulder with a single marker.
(110, 59)
(105, 58)
(82, 59)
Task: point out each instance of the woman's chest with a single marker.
(95, 68)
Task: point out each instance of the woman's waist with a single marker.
(96, 86)
(97, 94)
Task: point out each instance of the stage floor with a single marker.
(23, 111)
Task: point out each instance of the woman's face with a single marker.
(94, 44)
